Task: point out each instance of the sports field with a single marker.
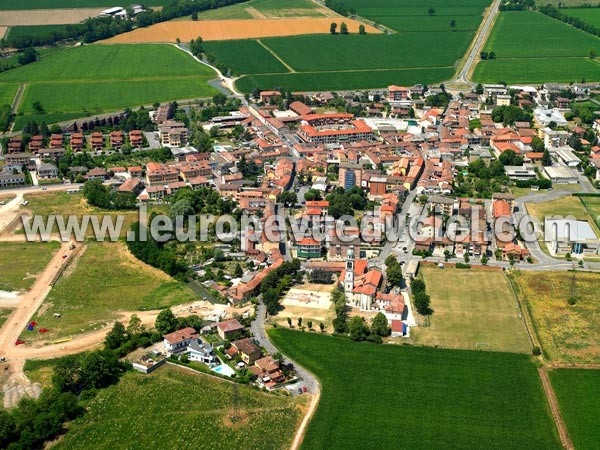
(198, 410)
(587, 15)
(473, 309)
(555, 51)
(21, 262)
(577, 393)
(96, 78)
(271, 9)
(568, 333)
(424, 398)
(106, 279)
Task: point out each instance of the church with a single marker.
(360, 283)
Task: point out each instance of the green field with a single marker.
(587, 15)
(555, 51)
(330, 81)
(268, 8)
(56, 4)
(20, 262)
(463, 317)
(577, 392)
(592, 205)
(245, 56)
(91, 79)
(376, 396)
(49, 119)
(568, 333)
(429, 23)
(7, 93)
(4, 313)
(106, 279)
(34, 30)
(198, 409)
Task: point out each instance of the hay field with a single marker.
(47, 16)
(218, 30)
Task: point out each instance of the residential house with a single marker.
(229, 329)
(179, 340)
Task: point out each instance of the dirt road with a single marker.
(10, 211)
(553, 402)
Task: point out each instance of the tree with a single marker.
(491, 55)
(479, 89)
(431, 11)
(38, 108)
(289, 321)
(116, 337)
(359, 331)
(309, 324)
(361, 29)
(333, 28)
(394, 274)
(343, 28)
(537, 144)
(453, 24)
(194, 15)
(238, 271)
(422, 302)
(322, 327)
(379, 325)
(288, 198)
(484, 259)
(134, 327)
(299, 322)
(28, 56)
(592, 53)
(546, 158)
(166, 322)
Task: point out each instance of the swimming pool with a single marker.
(224, 369)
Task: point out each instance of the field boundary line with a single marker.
(276, 56)
(348, 71)
(312, 408)
(554, 408)
(527, 320)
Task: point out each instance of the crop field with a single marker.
(34, 30)
(587, 15)
(49, 119)
(245, 56)
(495, 400)
(579, 402)
(59, 4)
(429, 23)
(7, 92)
(472, 307)
(106, 279)
(20, 262)
(47, 16)
(219, 30)
(133, 414)
(97, 78)
(555, 51)
(568, 333)
(261, 9)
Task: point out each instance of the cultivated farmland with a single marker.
(555, 51)
(446, 398)
(47, 16)
(587, 15)
(197, 408)
(106, 279)
(245, 56)
(60, 4)
(568, 333)
(577, 393)
(473, 309)
(261, 9)
(91, 79)
(34, 30)
(7, 93)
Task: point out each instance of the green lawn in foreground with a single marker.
(135, 413)
(577, 392)
(384, 396)
(20, 262)
(94, 78)
(105, 280)
(472, 307)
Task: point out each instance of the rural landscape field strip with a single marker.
(555, 51)
(196, 407)
(64, 4)
(245, 56)
(446, 398)
(47, 16)
(587, 15)
(7, 92)
(96, 78)
(577, 394)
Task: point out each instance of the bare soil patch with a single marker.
(219, 30)
(47, 16)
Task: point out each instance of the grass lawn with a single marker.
(21, 262)
(196, 408)
(555, 51)
(592, 205)
(561, 207)
(472, 306)
(52, 118)
(106, 279)
(577, 392)
(4, 313)
(96, 78)
(568, 333)
(7, 93)
(375, 396)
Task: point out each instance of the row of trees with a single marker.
(420, 297)
(553, 12)
(487, 55)
(277, 282)
(517, 5)
(340, 8)
(508, 115)
(360, 331)
(344, 28)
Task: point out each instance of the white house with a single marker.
(179, 340)
(201, 352)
